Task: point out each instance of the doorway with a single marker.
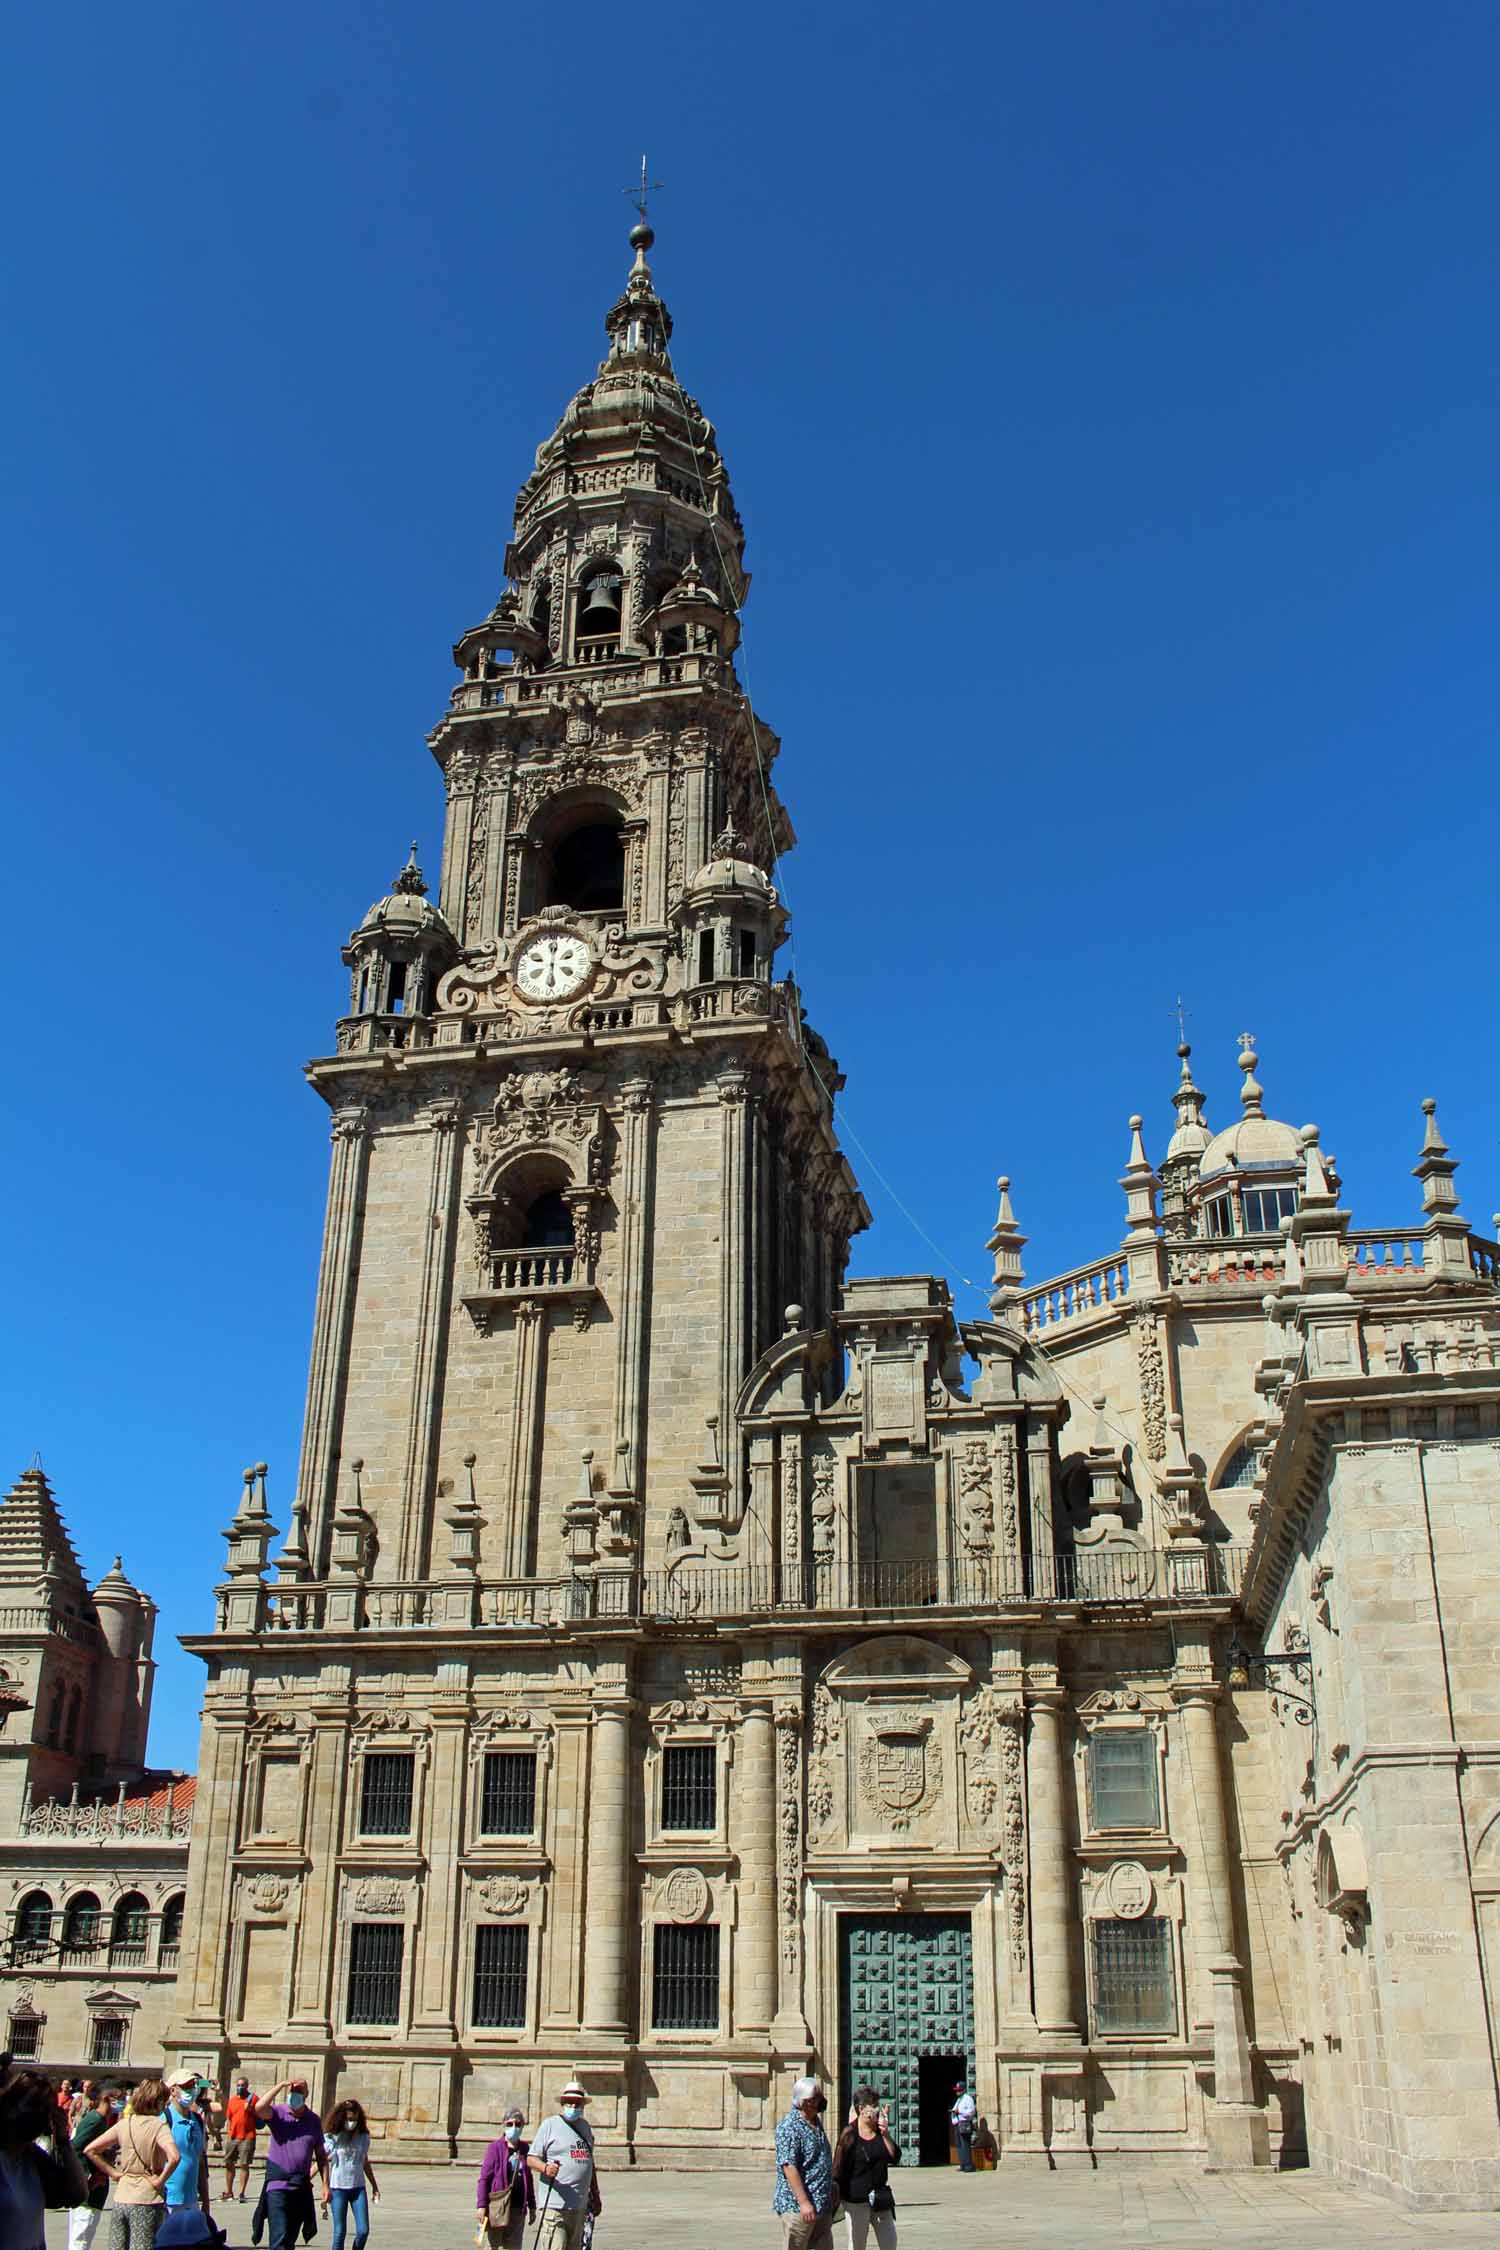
(907, 2004)
(937, 2076)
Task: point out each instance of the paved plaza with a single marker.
(939, 2210)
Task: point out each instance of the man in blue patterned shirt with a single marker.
(805, 2197)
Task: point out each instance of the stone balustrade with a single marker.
(1076, 1295)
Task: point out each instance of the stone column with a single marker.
(434, 1299)
(343, 1224)
(530, 1332)
(462, 775)
(736, 1251)
(631, 1303)
(755, 1820)
(208, 1923)
(1052, 1886)
(1201, 1818)
(611, 1927)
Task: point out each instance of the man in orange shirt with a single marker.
(239, 2136)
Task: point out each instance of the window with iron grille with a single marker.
(1123, 1778)
(689, 1794)
(1134, 1988)
(24, 2036)
(83, 1924)
(500, 1950)
(685, 1985)
(375, 1950)
(385, 1793)
(107, 2039)
(507, 1805)
(33, 1926)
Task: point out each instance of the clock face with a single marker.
(552, 968)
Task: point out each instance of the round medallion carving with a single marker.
(1130, 1890)
(685, 1896)
(504, 1894)
(268, 1894)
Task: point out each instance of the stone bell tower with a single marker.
(583, 1146)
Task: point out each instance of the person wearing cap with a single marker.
(506, 2171)
(562, 2155)
(805, 2197)
(188, 2180)
(963, 2117)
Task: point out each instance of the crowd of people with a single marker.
(134, 2170)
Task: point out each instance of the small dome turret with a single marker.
(730, 916)
(400, 949)
(1256, 1141)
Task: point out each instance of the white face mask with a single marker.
(512, 2132)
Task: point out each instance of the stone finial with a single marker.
(410, 880)
(1317, 1187)
(1006, 1242)
(1435, 1167)
(1252, 1093)
(250, 1533)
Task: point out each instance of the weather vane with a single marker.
(1181, 1019)
(640, 190)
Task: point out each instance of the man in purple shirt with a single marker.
(295, 2146)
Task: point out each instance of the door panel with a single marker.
(908, 1990)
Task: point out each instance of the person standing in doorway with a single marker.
(295, 2148)
(805, 2197)
(562, 2155)
(188, 2180)
(346, 2135)
(506, 2173)
(861, 2172)
(239, 2136)
(963, 2117)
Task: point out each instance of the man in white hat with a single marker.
(562, 2157)
(805, 2198)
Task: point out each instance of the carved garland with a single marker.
(976, 1503)
(976, 1739)
(789, 1836)
(1011, 1720)
(827, 1744)
(1153, 1389)
(824, 1504)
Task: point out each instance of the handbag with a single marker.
(881, 2199)
(497, 2210)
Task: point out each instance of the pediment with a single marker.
(897, 1660)
(110, 2001)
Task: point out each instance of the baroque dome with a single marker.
(1256, 1142)
(406, 909)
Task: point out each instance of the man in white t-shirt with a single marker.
(562, 2157)
(964, 2116)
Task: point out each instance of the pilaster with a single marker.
(611, 1926)
(1053, 1912)
(755, 1823)
(523, 1457)
(434, 1300)
(316, 1939)
(333, 1317)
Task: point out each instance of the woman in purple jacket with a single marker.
(504, 2161)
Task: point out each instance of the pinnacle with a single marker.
(33, 1534)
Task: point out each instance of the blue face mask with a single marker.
(296, 2101)
(571, 2110)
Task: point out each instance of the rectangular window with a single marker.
(25, 2036)
(1134, 1989)
(689, 1797)
(375, 1951)
(500, 1950)
(1122, 1778)
(685, 1983)
(107, 2040)
(508, 1801)
(1265, 1208)
(705, 957)
(385, 1793)
(747, 953)
(1220, 1216)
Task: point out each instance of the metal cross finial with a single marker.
(641, 190)
(1181, 1020)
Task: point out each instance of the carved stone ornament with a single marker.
(1129, 1890)
(900, 1770)
(1151, 1376)
(379, 1895)
(269, 1894)
(685, 1895)
(504, 1894)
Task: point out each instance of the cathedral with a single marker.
(686, 1665)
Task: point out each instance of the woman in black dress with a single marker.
(861, 2165)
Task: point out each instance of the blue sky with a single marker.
(1108, 390)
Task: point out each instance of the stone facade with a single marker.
(685, 1665)
(93, 1844)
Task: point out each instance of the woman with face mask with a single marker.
(507, 2191)
(346, 2136)
(861, 2165)
(33, 2180)
(140, 2155)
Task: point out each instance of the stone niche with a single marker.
(884, 1767)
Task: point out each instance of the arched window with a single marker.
(81, 1923)
(132, 1928)
(587, 870)
(1239, 1469)
(601, 600)
(171, 1929)
(33, 1925)
(548, 1224)
(541, 615)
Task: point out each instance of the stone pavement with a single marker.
(941, 2210)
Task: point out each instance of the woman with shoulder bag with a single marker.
(145, 2156)
(861, 2168)
(507, 2191)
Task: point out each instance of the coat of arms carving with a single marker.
(900, 1768)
